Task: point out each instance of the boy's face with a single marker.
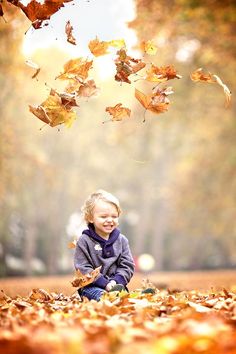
(105, 218)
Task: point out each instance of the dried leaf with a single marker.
(88, 89)
(157, 102)
(148, 47)
(98, 48)
(118, 112)
(74, 68)
(199, 75)
(82, 280)
(55, 110)
(40, 294)
(125, 66)
(117, 43)
(68, 29)
(227, 92)
(38, 12)
(34, 66)
(162, 74)
(72, 244)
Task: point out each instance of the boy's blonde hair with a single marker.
(87, 208)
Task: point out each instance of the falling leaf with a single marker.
(148, 47)
(157, 102)
(82, 280)
(126, 65)
(88, 89)
(98, 48)
(118, 112)
(162, 74)
(226, 90)
(38, 12)
(78, 67)
(55, 110)
(72, 244)
(117, 43)
(68, 29)
(34, 66)
(199, 75)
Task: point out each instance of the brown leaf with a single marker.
(34, 66)
(125, 66)
(118, 112)
(82, 280)
(39, 12)
(88, 89)
(68, 29)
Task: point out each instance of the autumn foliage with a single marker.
(76, 72)
(159, 322)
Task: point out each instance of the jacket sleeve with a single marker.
(84, 262)
(125, 269)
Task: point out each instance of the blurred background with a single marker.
(175, 174)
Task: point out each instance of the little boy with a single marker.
(102, 244)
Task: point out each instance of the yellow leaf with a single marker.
(148, 47)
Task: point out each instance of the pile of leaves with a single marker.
(163, 322)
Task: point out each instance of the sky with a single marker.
(106, 19)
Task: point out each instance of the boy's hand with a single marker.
(110, 285)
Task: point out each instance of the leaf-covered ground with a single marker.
(166, 322)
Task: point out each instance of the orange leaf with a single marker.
(156, 103)
(82, 280)
(98, 48)
(162, 74)
(38, 12)
(72, 244)
(118, 112)
(68, 29)
(198, 75)
(78, 67)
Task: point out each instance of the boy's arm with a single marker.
(125, 269)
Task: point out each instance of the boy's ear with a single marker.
(90, 219)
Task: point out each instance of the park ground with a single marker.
(201, 280)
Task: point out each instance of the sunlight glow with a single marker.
(105, 19)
